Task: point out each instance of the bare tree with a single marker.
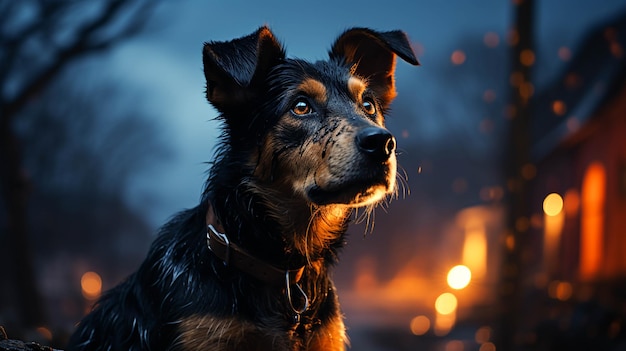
(39, 39)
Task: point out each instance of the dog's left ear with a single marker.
(235, 69)
(372, 56)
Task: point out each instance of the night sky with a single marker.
(163, 66)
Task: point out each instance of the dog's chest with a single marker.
(230, 334)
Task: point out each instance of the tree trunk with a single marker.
(18, 257)
(516, 161)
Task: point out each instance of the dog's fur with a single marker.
(303, 145)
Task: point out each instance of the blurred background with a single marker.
(512, 133)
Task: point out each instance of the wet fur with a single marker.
(283, 187)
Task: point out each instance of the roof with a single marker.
(589, 81)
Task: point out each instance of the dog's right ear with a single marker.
(234, 68)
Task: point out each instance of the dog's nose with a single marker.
(377, 143)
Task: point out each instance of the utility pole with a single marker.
(518, 170)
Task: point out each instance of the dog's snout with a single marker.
(377, 143)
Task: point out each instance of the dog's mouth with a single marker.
(356, 192)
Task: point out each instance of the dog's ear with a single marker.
(234, 68)
(372, 56)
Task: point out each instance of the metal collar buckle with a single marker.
(224, 239)
(297, 311)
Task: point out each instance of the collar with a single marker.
(233, 255)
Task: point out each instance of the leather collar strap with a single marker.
(235, 256)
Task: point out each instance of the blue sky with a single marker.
(164, 64)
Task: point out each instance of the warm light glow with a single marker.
(491, 39)
(560, 290)
(526, 90)
(483, 335)
(558, 107)
(446, 303)
(553, 219)
(420, 325)
(444, 323)
(529, 171)
(91, 285)
(571, 202)
(522, 224)
(527, 57)
(365, 278)
(459, 277)
(592, 220)
(553, 204)
(510, 242)
(45, 333)
(458, 57)
(474, 248)
(455, 345)
(488, 346)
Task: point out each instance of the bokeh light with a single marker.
(553, 204)
(458, 57)
(91, 285)
(446, 303)
(459, 277)
(420, 325)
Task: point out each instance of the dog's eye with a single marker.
(301, 108)
(369, 107)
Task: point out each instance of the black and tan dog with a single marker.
(303, 145)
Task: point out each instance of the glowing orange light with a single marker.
(560, 290)
(529, 171)
(526, 90)
(446, 303)
(420, 325)
(491, 39)
(459, 277)
(45, 333)
(553, 204)
(457, 57)
(522, 224)
(527, 57)
(565, 53)
(592, 220)
(558, 107)
(571, 202)
(483, 335)
(455, 345)
(91, 284)
(488, 346)
(510, 242)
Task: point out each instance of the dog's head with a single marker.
(314, 131)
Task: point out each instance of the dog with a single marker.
(303, 145)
